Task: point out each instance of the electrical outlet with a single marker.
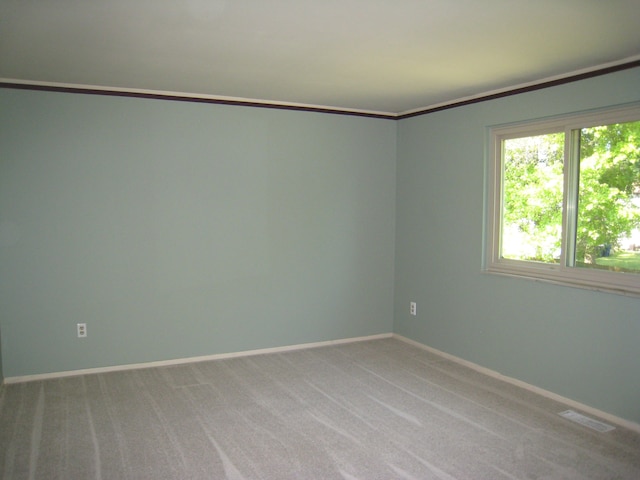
(82, 330)
(413, 308)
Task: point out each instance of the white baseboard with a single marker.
(492, 373)
(180, 361)
(532, 388)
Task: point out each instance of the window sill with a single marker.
(566, 279)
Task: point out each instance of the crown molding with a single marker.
(603, 69)
(184, 97)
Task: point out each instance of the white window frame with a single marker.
(562, 272)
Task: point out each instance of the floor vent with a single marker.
(586, 421)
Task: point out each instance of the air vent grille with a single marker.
(586, 421)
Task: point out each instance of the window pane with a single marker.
(608, 228)
(532, 210)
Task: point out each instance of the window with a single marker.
(565, 200)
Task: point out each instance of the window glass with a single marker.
(533, 190)
(609, 198)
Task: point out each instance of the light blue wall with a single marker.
(179, 229)
(176, 229)
(581, 344)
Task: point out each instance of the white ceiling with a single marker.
(391, 56)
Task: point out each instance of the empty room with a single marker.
(247, 239)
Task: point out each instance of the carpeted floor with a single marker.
(380, 409)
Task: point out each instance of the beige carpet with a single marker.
(370, 410)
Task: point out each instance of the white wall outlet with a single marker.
(413, 308)
(82, 330)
